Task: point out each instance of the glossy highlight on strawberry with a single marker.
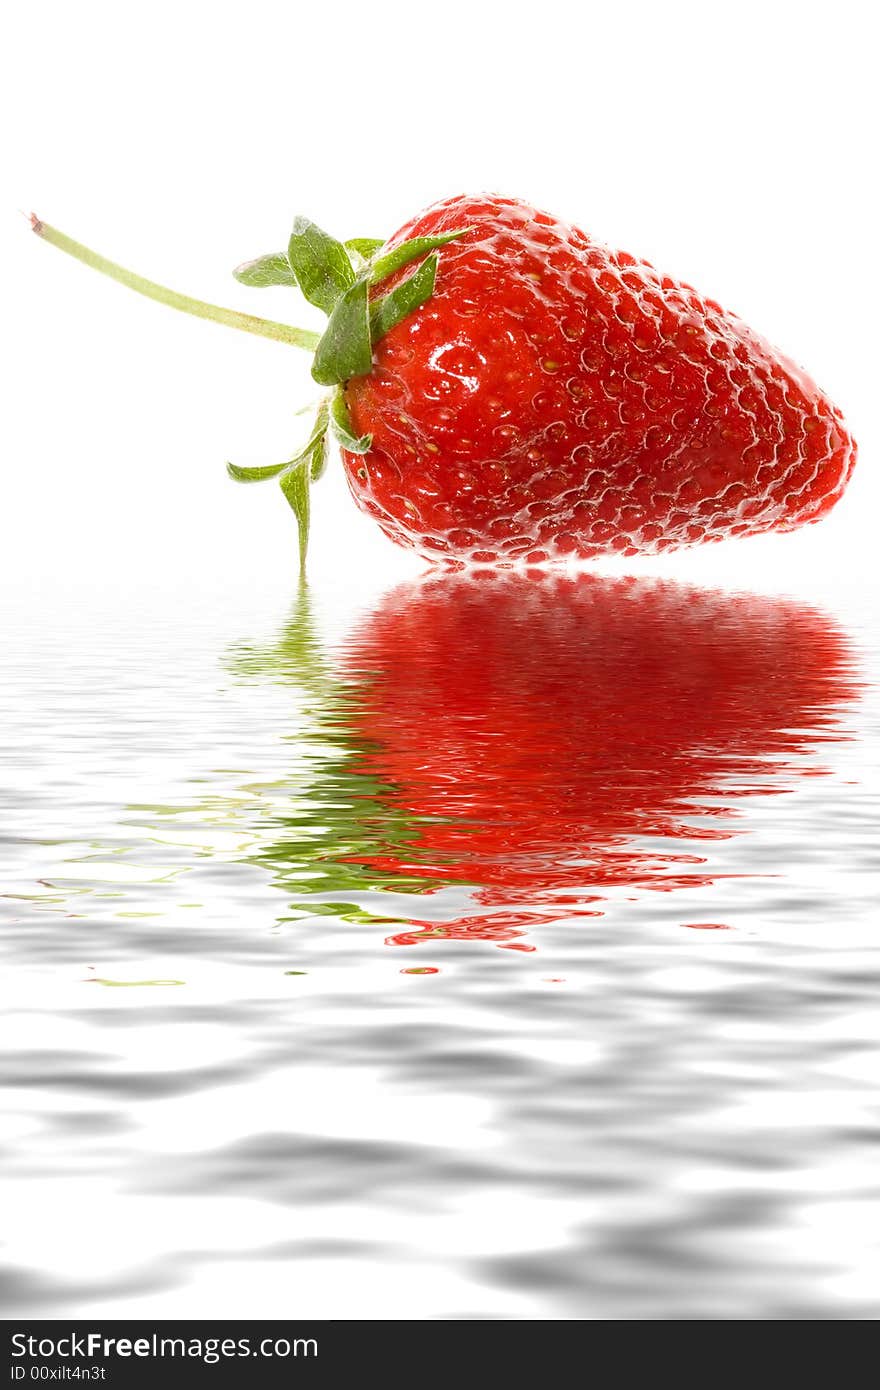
(556, 399)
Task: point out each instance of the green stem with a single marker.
(248, 323)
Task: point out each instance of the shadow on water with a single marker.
(537, 742)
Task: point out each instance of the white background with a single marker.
(733, 146)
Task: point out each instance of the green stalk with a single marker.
(248, 323)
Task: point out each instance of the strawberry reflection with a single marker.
(546, 740)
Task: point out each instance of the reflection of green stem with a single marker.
(248, 323)
(327, 829)
(343, 813)
(295, 658)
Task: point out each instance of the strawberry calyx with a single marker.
(340, 278)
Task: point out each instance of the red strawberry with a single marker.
(556, 398)
(546, 398)
(544, 736)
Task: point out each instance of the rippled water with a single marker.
(506, 948)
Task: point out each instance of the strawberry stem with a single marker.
(247, 323)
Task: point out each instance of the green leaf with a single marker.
(364, 246)
(319, 457)
(266, 270)
(271, 470)
(388, 311)
(296, 475)
(341, 427)
(256, 475)
(319, 429)
(295, 484)
(297, 480)
(320, 264)
(409, 251)
(345, 349)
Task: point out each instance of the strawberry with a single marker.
(486, 751)
(505, 389)
(545, 734)
(555, 398)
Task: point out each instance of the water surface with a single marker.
(499, 948)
